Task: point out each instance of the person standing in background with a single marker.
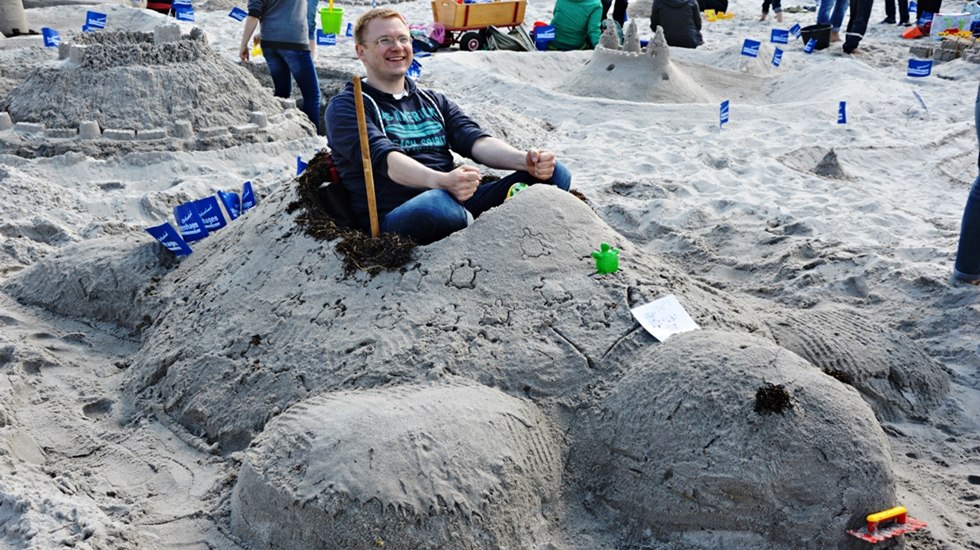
(903, 13)
(577, 23)
(831, 12)
(857, 24)
(777, 7)
(286, 47)
(967, 267)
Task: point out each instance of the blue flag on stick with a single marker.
(184, 13)
(51, 37)
(210, 212)
(232, 202)
(842, 113)
(325, 39)
(777, 57)
(810, 45)
(723, 114)
(750, 48)
(300, 165)
(919, 68)
(779, 36)
(168, 236)
(350, 30)
(415, 69)
(248, 197)
(796, 30)
(95, 20)
(191, 225)
(238, 14)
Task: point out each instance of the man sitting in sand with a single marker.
(412, 133)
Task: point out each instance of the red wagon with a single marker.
(472, 20)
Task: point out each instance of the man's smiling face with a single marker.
(386, 50)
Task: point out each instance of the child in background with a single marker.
(777, 7)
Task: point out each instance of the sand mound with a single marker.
(511, 302)
(104, 279)
(680, 449)
(895, 376)
(410, 466)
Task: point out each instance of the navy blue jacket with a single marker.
(424, 125)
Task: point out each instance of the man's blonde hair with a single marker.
(371, 15)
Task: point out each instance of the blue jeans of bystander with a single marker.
(831, 12)
(435, 214)
(967, 267)
(284, 65)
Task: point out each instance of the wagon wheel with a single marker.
(472, 41)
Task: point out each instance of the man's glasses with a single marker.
(389, 41)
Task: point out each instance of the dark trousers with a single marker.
(927, 6)
(777, 6)
(619, 10)
(903, 10)
(857, 23)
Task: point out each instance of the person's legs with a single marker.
(282, 82)
(619, 11)
(494, 193)
(427, 217)
(837, 17)
(777, 8)
(765, 9)
(857, 24)
(889, 12)
(967, 266)
(903, 12)
(301, 66)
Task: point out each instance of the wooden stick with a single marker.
(366, 158)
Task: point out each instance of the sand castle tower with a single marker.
(639, 75)
(12, 19)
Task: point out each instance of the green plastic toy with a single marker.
(514, 189)
(606, 259)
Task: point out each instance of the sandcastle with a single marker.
(493, 388)
(124, 91)
(639, 74)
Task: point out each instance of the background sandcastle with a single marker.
(162, 90)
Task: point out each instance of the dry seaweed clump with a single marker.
(840, 375)
(389, 251)
(772, 398)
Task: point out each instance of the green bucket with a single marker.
(331, 19)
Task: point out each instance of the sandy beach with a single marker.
(494, 391)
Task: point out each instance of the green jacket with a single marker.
(577, 24)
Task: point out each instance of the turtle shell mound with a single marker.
(262, 315)
(689, 443)
(151, 88)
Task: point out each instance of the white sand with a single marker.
(496, 393)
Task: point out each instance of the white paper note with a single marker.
(664, 317)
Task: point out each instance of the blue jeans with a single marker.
(831, 12)
(284, 65)
(967, 267)
(434, 214)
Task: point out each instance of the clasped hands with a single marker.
(462, 181)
